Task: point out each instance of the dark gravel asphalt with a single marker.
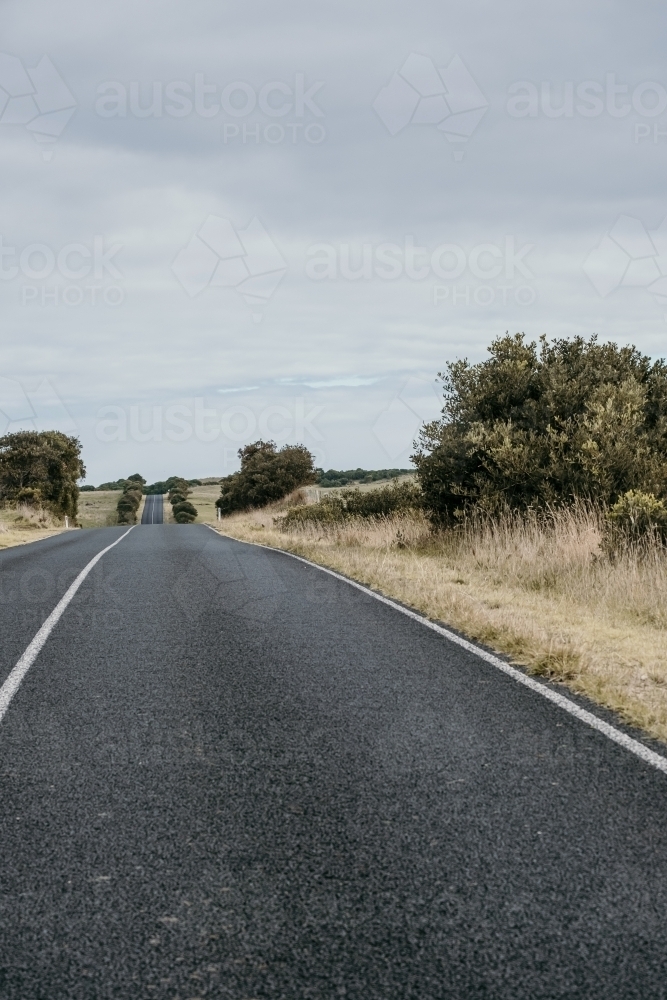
(153, 510)
(229, 775)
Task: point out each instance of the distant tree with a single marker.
(41, 468)
(266, 475)
(336, 477)
(118, 484)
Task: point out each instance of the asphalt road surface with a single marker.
(230, 775)
(153, 510)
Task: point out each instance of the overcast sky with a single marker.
(227, 221)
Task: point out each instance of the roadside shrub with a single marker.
(266, 475)
(184, 512)
(184, 518)
(130, 500)
(529, 427)
(636, 517)
(185, 507)
(346, 505)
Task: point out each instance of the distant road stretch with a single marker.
(153, 510)
(228, 775)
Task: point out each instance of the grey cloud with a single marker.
(148, 184)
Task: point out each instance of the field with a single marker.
(98, 509)
(543, 593)
(203, 497)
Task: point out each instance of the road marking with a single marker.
(611, 732)
(13, 682)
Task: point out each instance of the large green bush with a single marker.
(529, 427)
(41, 468)
(266, 475)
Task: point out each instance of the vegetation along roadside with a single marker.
(537, 524)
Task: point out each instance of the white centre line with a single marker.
(13, 682)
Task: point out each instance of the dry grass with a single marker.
(203, 497)
(542, 591)
(24, 524)
(98, 509)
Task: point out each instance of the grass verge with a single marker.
(98, 509)
(23, 524)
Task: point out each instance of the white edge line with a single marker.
(13, 681)
(611, 732)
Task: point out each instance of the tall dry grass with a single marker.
(539, 587)
(23, 523)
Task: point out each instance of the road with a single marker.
(230, 775)
(153, 510)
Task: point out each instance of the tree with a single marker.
(531, 426)
(41, 468)
(266, 475)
